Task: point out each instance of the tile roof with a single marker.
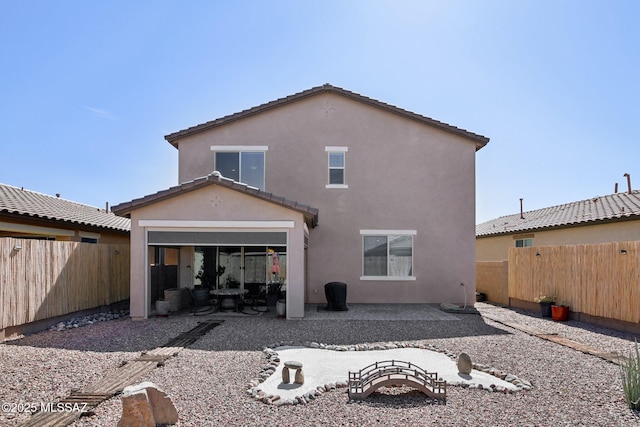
(614, 207)
(14, 200)
(480, 140)
(310, 213)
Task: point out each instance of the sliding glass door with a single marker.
(237, 266)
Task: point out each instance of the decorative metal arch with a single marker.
(395, 372)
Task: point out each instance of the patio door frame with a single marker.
(187, 226)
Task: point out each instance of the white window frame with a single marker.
(244, 149)
(332, 150)
(388, 233)
(524, 241)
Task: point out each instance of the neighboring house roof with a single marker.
(310, 213)
(480, 140)
(18, 201)
(614, 207)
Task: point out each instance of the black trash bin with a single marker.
(336, 293)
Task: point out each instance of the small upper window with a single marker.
(336, 159)
(524, 243)
(87, 237)
(336, 168)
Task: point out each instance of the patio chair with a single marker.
(256, 298)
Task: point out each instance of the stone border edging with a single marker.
(274, 360)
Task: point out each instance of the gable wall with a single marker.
(211, 203)
(401, 174)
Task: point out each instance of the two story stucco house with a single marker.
(324, 185)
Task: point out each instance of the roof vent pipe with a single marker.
(616, 188)
(628, 181)
(521, 211)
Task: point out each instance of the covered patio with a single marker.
(216, 233)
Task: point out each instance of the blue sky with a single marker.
(90, 88)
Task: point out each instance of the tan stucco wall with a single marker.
(56, 229)
(215, 203)
(401, 174)
(496, 248)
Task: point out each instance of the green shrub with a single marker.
(630, 373)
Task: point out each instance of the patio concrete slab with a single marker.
(386, 312)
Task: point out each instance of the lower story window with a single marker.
(387, 254)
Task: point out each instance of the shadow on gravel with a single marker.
(251, 335)
(589, 327)
(387, 397)
(121, 335)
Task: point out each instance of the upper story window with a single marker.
(241, 163)
(336, 162)
(387, 254)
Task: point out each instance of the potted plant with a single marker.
(545, 301)
(201, 291)
(281, 302)
(560, 312)
(275, 291)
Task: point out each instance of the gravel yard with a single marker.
(207, 381)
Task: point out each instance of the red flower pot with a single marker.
(559, 313)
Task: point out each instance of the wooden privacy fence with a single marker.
(41, 279)
(600, 280)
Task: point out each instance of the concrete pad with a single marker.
(322, 367)
(387, 312)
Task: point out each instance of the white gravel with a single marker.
(207, 382)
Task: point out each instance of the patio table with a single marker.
(229, 298)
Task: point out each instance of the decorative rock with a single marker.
(274, 399)
(510, 378)
(464, 364)
(145, 405)
(292, 364)
(136, 410)
(77, 322)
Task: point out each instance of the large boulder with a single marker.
(145, 405)
(464, 364)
